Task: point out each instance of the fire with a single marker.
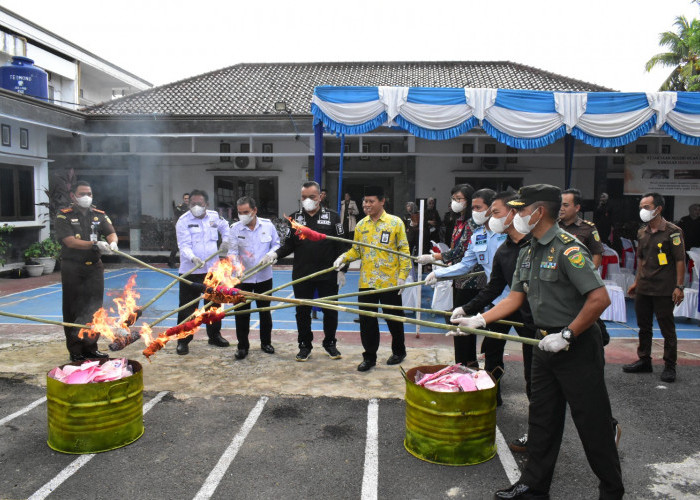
(114, 328)
(126, 304)
(305, 233)
(222, 274)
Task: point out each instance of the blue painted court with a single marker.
(45, 302)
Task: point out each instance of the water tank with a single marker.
(21, 76)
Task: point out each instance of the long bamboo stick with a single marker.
(402, 319)
(41, 320)
(383, 249)
(153, 268)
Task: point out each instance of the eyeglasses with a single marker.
(459, 200)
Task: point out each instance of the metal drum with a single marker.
(95, 417)
(449, 428)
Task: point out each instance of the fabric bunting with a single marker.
(522, 119)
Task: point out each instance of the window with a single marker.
(224, 147)
(511, 151)
(16, 192)
(640, 149)
(490, 149)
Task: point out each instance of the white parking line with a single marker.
(24, 410)
(217, 473)
(507, 459)
(370, 479)
(76, 464)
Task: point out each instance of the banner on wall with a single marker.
(668, 175)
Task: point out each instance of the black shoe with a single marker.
(639, 366)
(356, 320)
(519, 445)
(219, 341)
(395, 359)
(95, 355)
(182, 348)
(668, 375)
(304, 354)
(267, 348)
(77, 357)
(520, 491)
(241, 353)
(365, 365)
(171, 264)
(332, 351)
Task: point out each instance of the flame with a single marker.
(110, 327)
(222, 274)
(126, 304)
(305, 233)
(101, 323)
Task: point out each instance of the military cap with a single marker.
(527, 195)
(377, 191)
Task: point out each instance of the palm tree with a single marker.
(683, 55)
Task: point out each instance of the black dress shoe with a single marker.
(267, 348)
(356, 320)
(219, 341)
(365, 365)
(77, 357)
(520, 491)
(395, 359)
(95, 355)
(182, 348)
(669, 374)
(639, 366)
(241, 353)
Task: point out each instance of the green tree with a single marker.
(683, 55)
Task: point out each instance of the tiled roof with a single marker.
(252, 89)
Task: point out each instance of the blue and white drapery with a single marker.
(522, 119)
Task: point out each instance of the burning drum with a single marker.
(449, 428)
(95, 417)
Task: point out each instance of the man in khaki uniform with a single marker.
(584, 230)
(556, 276)
(658, 285)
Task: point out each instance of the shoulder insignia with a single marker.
(565, 237)
(67, 210)
(571, 249)
(588, 222)
(576, 258)
(676, 238)
(98, 211)
(595, 234)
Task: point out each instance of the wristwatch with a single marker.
(568, 335)
(680, 287)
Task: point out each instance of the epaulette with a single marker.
(565, 237)
(588, 222)
(98, 211)
(67, 210)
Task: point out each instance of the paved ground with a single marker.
(270, 427)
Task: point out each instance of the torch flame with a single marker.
(126, 304)
(305, 233)
(112, 328)
(222, 274)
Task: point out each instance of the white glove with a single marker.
(457, 314)
(424, 260)
(341, 279)
(197, 261)
(431, 279)
(339, 262)
(468, 322)
(400, 282)
(553, 342)
(113, 246)
(270, 258)
(103, 248)
(224, 247)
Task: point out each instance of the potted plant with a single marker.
(4, 244)
(50, 250)
(31, 258)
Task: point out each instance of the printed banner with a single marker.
(668, 175)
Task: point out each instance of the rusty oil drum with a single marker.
(449, 428)
(95, 417)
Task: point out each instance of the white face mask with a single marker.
(198, 211)
(245, 218)
(457, 207)
(522, 224)
(480, 217)
(646, 215)
(309, 204)
(499, 225)
(84, 201)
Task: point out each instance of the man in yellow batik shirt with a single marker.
(379, 270)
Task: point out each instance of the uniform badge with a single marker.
(108, 220)
(212, 223)
(526, 287)
(384, 238)
(339, 228)
(577, 259)
(325, 216)
(300, 219)
(481, 257)
(596, 236)
(676, 239)
(548, 265)
(95, 219)
(525, 264)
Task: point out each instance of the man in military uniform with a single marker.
(379, 270)
(658, 284)
(584, 230)
(556, 276)
(178, 211)
(310, 257)
(198, 233)
(80, 229)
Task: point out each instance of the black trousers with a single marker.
(493, 352)
(645, 306)
(575, 377)
(243, 320)
(83, 287)
(306, 290)
(187, 294)
(369, 327)
(465, 345)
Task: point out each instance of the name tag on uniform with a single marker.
(193, 225)
(300, 219)
(325, 216)
(74, 221)
(384, 238)
(525, 265)
(324, 222)
(241, 237)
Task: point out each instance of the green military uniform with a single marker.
(556, 273)
(586, 232)
(82, 273)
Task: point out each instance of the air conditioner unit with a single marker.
(489, 163)
(244, 162)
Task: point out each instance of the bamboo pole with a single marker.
(402, 319)
(377, 247)
(153, 268)
(41, 320)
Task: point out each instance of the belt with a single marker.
(85, 262)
